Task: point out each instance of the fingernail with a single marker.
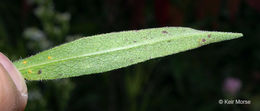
(15, 75)
(9, 94)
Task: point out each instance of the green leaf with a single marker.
(105, 52)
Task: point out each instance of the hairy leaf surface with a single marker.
(105, 52)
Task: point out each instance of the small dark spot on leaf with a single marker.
(203, 40)
(134, 41)
(40, 71)
(209, 35)
(131, 60)
(165, 32)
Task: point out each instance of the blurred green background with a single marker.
(189, 81)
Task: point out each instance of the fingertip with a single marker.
(16, 78)
(10, 99)
(14, 73)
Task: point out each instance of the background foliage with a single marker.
(193, 80)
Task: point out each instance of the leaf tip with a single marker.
(238, 35)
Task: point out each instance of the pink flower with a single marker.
(231, 85)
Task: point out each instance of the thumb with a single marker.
(13, 90)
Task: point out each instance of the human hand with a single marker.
(13, 90)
